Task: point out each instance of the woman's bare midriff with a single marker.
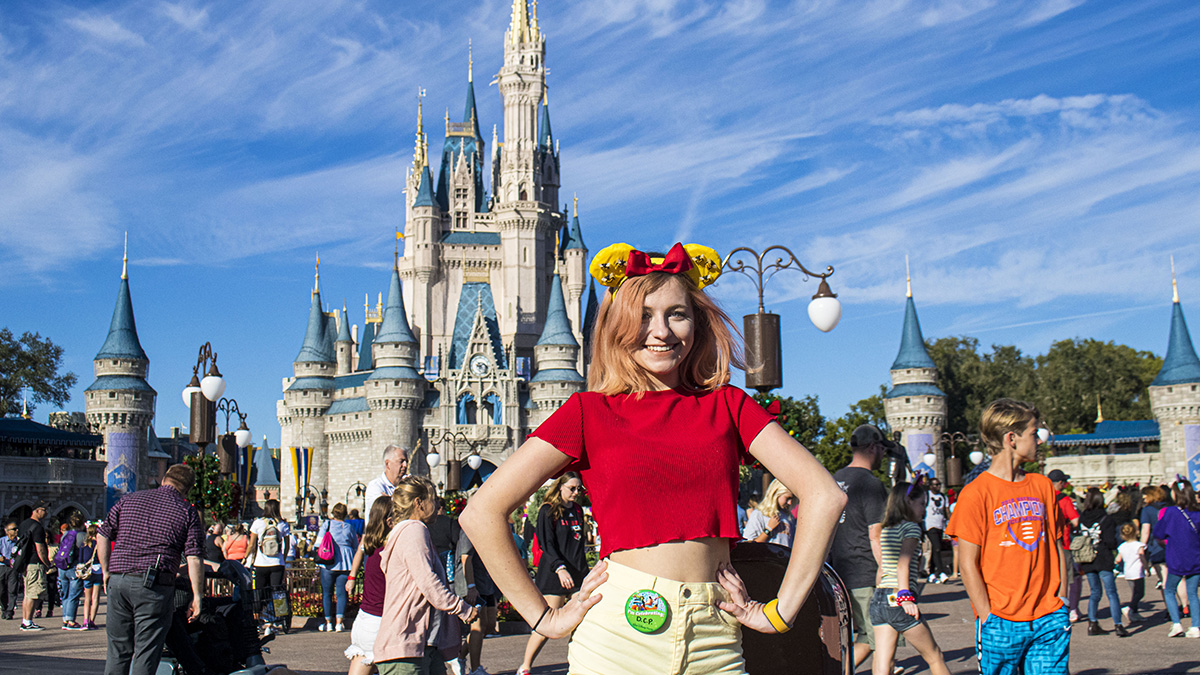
(692, 561)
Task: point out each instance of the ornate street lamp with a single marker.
(764, 351)
(453, 464)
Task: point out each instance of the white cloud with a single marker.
(1048, 9)
(107, 29)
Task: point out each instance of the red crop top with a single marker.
(660, 468)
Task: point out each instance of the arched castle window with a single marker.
(493, 409)
(467, 409)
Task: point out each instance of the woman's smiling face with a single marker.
(668, 331)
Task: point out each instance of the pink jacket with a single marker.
(416, 588)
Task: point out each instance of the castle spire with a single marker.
(534, 31)
(518, 28)
(394, 327)
(912, 352)
(546, 138)
(122, 340)
(1180, 365)
(470, 63)
(316, 347)
(420, 158)
(317, 277)
(125, 260)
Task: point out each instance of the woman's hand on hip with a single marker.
(748, 612)
(561, 622)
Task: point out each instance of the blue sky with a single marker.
(1038, 161)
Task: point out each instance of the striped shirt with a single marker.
(890, 542)
(152, 528)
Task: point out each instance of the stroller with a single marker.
(224, 640)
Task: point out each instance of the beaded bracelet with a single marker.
(905, 595)
(771, 610)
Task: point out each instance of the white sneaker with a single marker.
(942, 579)
(1193, 632)
(340, 628)
(1125, 613)
(325, 627)
(932, 578)
(1176, 630)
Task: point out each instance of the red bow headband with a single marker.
(617, 262)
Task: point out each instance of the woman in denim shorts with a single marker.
(893, 607)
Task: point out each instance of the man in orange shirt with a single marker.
(1007, 525)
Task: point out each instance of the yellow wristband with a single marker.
(771, 610)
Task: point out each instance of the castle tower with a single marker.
(119, 405)
(1175, 399)
(915, 406)
(344, 346)
(547, 156)
(555, 356)
(574, 253)
(306, 397)
(394, 392)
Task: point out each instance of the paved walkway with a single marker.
(1147, 651)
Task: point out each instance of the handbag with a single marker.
(84, 570)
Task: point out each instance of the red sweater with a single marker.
(660, 468)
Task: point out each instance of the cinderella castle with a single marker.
(482, 334)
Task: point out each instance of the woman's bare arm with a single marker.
(484, 521)
(821, 504)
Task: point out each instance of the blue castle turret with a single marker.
(1175, 398)
(555, 357)
(915, 406)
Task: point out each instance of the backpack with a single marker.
(1083, 545)
(327, 551)
(270, 542)
(64, 558)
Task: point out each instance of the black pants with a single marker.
(10, 588)
(936, 566)
(1138, 588)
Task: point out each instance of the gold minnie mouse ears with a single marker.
(616, 263)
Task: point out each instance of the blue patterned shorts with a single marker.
(1038, 647)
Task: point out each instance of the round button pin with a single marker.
(646, 611)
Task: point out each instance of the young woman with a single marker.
(366, 624)
(93, 585)
(1096, 521)
(413, 632)
(268, 547)
(71, 587)
(1179, 527)
(658, 440)
(334, 573)
(562, 536)
(893, 606)
(236, 543)
(773, 521)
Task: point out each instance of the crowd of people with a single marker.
(661, 594)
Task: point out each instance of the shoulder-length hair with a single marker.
(378, 524)
(1093, 499)
(898, 509)
(769, 506)
(619, 324)
(554, 494)
(1183, 495)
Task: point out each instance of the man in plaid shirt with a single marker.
(150, 531)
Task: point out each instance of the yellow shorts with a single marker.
(697, 638)
(35, 581)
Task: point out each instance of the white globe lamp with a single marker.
(474, 461)
(213, 385)
(929, 458)
(433, 459)
(976, 457)
(242, 436)
(825, 311)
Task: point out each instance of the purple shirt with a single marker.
(374, 585)
(147, 524)
(1182, 531)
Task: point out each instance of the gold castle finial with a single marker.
(419, 151)
(534, 31)
(1174, 284)
(1099, 410)
(447, 119)
(317, 276)
(25, 405)
(518, 28)
(907, 278)
(576, 200)
(125, 259)
(470, 63)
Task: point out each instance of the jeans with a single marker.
(333, 581)
(1137, 590)
(70, 590)
(137, 624)
(1110, 588)
(1192, 582)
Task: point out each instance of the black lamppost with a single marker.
(764, 352)
(360, 491)
(203, 399)
(453, 465)
(949, 463)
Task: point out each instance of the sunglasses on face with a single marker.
(578, 488)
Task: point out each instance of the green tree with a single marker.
(972, 380)
(1074, 373)
(833, 449)
(216, 498)
(31, 361)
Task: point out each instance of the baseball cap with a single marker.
(867, 434)
(1056, 476)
